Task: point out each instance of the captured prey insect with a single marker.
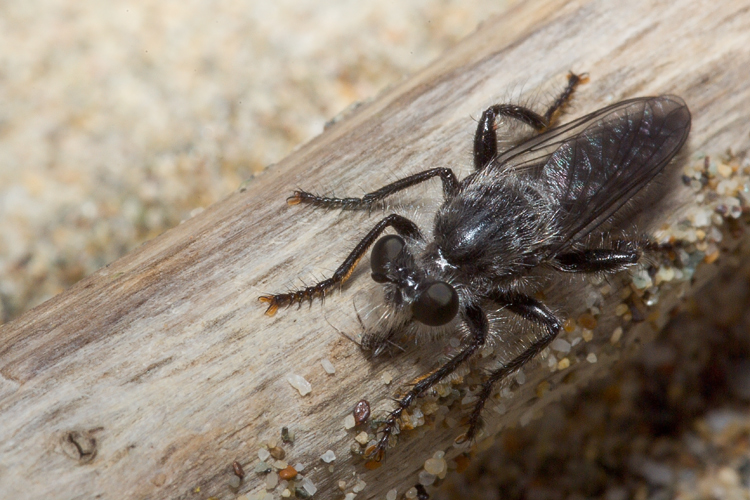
(548, 203)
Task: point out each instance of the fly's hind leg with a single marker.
(402, 225)
(596, 260)
(476, 320)
(553, 112)
(532, 310)
(485, 138)
(450, 187)
(622, 254)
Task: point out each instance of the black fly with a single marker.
(549, 202)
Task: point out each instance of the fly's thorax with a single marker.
(496, 229)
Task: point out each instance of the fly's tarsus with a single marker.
(322, 201)
(282, 300)
(402, 225)
(448, 178)
(554, 111)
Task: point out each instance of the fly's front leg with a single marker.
(476, 320)
(485, 138)
(402, 225)
(532, 310)
(450, 187)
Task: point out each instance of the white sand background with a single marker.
(120, 119)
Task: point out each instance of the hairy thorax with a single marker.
(495, 230)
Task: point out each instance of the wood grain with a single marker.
(150, 377)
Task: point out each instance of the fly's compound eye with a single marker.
(385, 251)
(437, 305)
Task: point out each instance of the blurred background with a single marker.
(120, 119)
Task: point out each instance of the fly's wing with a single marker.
(594, 165)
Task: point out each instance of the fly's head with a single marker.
(409, 287)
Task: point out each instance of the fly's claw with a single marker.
(376, 452)
(285, 300)
(273, 304)
(461, 439)
(470, 436)
(576, 80)
(300, 197)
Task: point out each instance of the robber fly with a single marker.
(548, 202)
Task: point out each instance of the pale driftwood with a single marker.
(149, 378)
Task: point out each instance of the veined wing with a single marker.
(597, 163)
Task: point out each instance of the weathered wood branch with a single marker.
(150, 377)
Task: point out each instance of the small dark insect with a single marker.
(238, 471)
(549, 203)
(422, 492)
(361, 412)
(287, 436)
